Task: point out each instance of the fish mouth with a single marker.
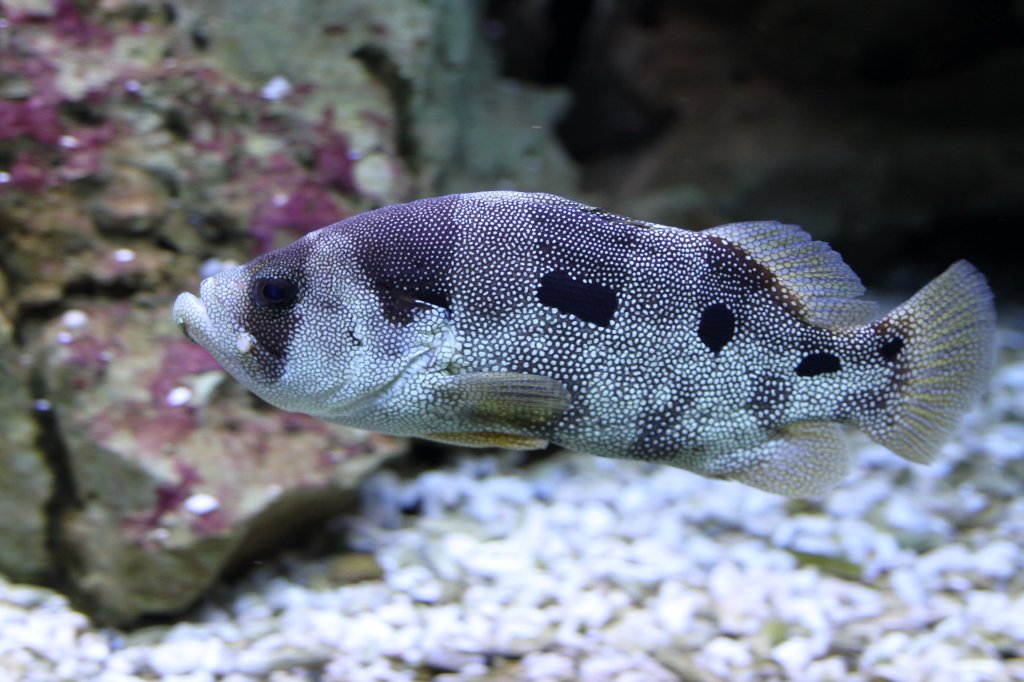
(192, 319)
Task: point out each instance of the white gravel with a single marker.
(581, 568)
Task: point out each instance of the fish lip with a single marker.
(192, 318)
(183, 326)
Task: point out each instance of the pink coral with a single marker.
(35, 118)
(303, 207)
(69, 23)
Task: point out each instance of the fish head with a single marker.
(286, 325)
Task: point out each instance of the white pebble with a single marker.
(831, 669)
(178, 396)
(175, 657)
(93, 646)
(603, 666)
(417, 581)
(794, 655)
(855, 500)
(722, 654)
(254, 661)
(74, 319)
(637, 630)
(520, 625)
(595, 519)
(548, 666)
(1005, 441)
(1000, 559)
(276, 88)
(124, 255)
(201, 504)
(907, 585)
(675, 607)
(906, 514)
(885, 648)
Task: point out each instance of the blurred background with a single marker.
(892, 129)
(145, 143)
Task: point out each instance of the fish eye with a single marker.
(277, 293)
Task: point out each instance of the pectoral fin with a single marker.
(806, 460)
(487, 439)
(505, 399)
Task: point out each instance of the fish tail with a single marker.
(941, 343)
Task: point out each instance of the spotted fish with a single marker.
(514, 320)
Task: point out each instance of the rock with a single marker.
(174, 473)
(421, 85)
(474, 129)
(25, 479)
(132, 203)
(36, 8)
(142, 142)
(353, 567)
(227, 128)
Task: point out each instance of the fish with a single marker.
(518, 320)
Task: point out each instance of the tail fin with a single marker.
(944, 335)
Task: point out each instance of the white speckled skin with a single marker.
(512, 319)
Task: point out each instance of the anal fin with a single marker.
(806, 459)
(489, 439)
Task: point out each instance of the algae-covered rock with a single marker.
(174, 473)
(144, 142)
(25, 480)
(416, 79)
(474, 129)
(229, 127)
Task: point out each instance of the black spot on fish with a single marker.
(858, 403)
(399, 302)
(273, 337)
(659, 434)
(270, 316)
(406, 255)
(589, 302)
(818, 363)
(717, 326)
(655, 434)
(891, 348)
(868, 404)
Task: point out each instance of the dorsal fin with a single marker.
(825, 288)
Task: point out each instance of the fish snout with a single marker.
(191, 317)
